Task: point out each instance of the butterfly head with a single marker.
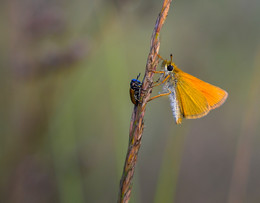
(169, 65)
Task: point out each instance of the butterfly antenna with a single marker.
(171, 58)
(138, 76)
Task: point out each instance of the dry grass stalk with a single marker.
(136, 125)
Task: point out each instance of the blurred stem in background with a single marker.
(243, 155)
(37, 59)
(168, 177)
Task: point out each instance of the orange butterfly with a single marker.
(189, 96)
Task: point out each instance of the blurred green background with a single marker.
(65, 108)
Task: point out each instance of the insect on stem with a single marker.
(137, 124)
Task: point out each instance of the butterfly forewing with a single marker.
(215, 96)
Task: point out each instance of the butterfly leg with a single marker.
(155, 71)
(160, 95)
(159, 56)
(159, 83)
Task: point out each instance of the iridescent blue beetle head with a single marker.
(135, 83)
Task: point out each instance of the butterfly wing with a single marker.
(215, 96)
(193, 103)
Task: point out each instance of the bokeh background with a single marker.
(65, 109)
